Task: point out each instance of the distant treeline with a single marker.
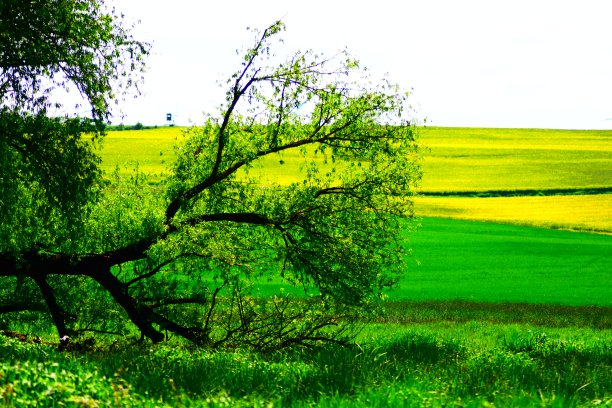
(137, 126)
(519, 193)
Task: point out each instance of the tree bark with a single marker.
(57, 313)
(139, 314)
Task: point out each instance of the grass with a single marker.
(499, 263)
(489, 262)
(487, 315)
(440, 363)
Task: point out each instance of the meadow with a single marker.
(484, 361)
(492, 313)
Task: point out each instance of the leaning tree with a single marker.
(303, 181)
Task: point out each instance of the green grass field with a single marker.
(488, 262)
(500, 263)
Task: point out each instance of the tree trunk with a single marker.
(57, 313)
(138, 314)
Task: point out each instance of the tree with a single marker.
(49, 174)
(46, 45)
(192, 262)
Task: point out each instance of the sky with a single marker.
(469, 63)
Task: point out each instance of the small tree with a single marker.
(194, 262)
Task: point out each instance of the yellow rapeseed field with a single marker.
(575, 212)
(475, 159)
(455, 160)
(150, 150)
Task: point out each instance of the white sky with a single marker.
(482, 63)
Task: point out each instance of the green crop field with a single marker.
(489, 262)
(495, 263)
(491, 313)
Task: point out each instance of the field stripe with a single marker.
(592, 213)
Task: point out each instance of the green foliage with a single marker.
(121, 127)
(46, 45)
(50, 171)
(50, 178)
(49, 174)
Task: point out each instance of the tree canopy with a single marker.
(196, 259)
(45, 45)
(49, 170)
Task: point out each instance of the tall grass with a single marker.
(440, 364)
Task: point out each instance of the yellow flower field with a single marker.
(151, 150)
(575, 212)
(455, 160)
(474, 159)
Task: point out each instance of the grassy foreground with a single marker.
(509, 342)
(440, 363)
